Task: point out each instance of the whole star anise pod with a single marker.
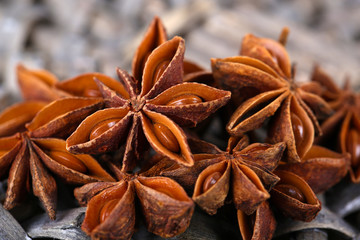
(262, 82)
(341, 131)
(26, 154)
(110, 212)
(245, 169)
(150, 109)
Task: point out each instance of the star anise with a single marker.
(24, 155)
(244, 169)
(262, 82)
(110, 212)
(344, 124)
(155, 101)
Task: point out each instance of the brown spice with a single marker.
(110, 210)
(156, 101)
(264, 72)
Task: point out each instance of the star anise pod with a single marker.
(262, 82)
(23, 156)
(243, 173)
(344, 124)
(321, 168)
(156, 100)
(294, 197)
(245, 169)
(110, 212)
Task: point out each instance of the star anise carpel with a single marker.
(156, 102)
(110, 213)
(262, 83)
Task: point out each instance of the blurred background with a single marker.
(70, 37)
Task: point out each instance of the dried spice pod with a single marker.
(321, 168)
(36, 84)
(244, 177)
(84, 86)
(157, 102)
(61, 117)
(263, 86)
(110, 210)
(14, 118)
(259, 225)
(344, 124)
(40, 158)
(294, 197)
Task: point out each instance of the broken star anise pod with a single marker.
(341, 131)
(262, 82)
(155, 102)
(110, 212)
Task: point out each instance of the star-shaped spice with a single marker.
(245, 169)
(26, 155)
(110, 213)
(155, 101)
(263, 84)
(341, 131)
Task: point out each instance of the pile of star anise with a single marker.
(133, 148)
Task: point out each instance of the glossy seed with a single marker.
(160, 70)
(353, 146)
(107, 209)
(102, 127)
(68, 160)
(184, 99)
(211, 180)
(298, 129)
(291, 191)
(166, 137)
(88, 92)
